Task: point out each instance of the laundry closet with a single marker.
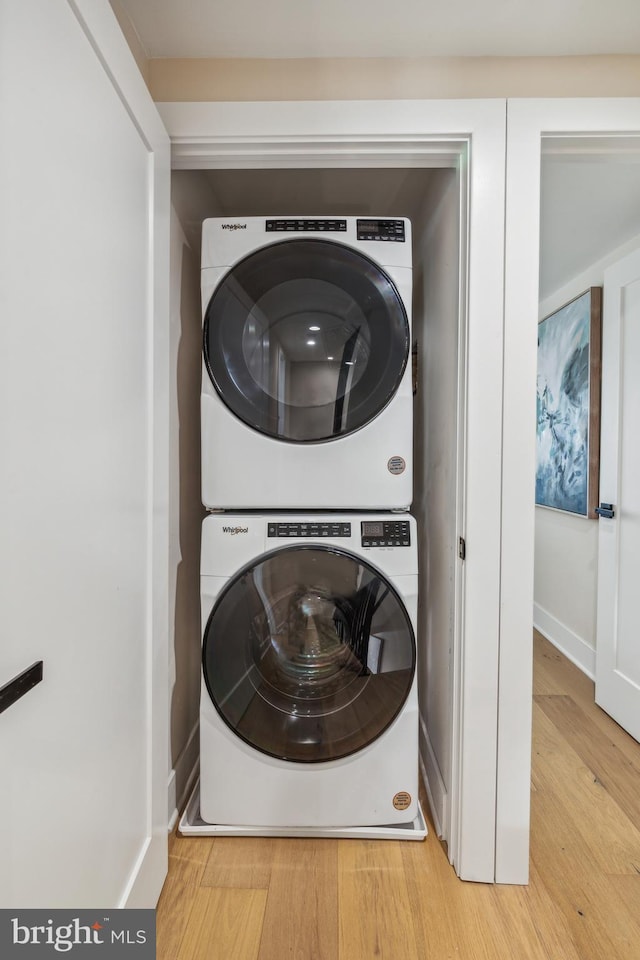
(432, 199)
(100, 432)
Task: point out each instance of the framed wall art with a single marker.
(568, 406)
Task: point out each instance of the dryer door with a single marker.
(309, 654)
(306, 340)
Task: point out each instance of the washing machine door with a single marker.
(309, 654)
(306, 340)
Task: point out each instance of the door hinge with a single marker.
(462, 548)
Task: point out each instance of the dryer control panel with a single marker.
(321, 529)
(386, 533)
(381, 230)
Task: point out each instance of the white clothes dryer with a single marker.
(309, 706)
(307, 396)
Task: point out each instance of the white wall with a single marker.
(192, 200)
(566, 546)
(436, 280)
(83, 548)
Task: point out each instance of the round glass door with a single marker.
(309, 654)
(306, 340)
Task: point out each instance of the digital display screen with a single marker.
(371, 226)
(370, 529)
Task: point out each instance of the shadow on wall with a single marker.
(185, 694)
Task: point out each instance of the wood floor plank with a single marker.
(548, 677)
(188, 856)
(628, 889)
(187, 871)
(172, 915)
(190, 848)
(600, 924)
(425, 868)
(450, 918)
(554, 673)
(482, 921)
(301, 916)
(618, 772)
(187, 861)
(241, 862)
(224, 924)
(376, 918)
(613, 839)
(536, 926)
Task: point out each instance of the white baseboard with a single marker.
(147, 877)
(569, 643)
(183, 776)
(434, 784)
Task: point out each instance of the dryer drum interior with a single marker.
(309, 654)
(306, 340)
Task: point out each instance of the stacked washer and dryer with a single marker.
(309, 707)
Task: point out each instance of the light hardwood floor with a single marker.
(293, 899)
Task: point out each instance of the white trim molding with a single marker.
(532, 124)
(434, 783)
(469, 133)
(288, 134)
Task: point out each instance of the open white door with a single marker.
(84, 194)
(618, 625)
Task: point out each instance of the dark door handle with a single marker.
(20, 685)
(605, 510)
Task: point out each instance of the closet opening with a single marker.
(434, 197)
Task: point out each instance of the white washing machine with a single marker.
(309, 706)
(306, 382)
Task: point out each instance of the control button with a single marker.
(309, 530)
(300, 226)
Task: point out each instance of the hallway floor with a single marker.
(272, 899)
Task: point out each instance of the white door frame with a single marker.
(529, 123)
(103, 33)
(419, 133)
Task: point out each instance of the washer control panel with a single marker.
(303, 226)
(385, 533)
(311, 529)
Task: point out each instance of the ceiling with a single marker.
(589, 206)
(379, 28)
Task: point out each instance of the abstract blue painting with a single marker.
(564, 406)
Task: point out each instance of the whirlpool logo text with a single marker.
(233, 226)
(234, 530)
